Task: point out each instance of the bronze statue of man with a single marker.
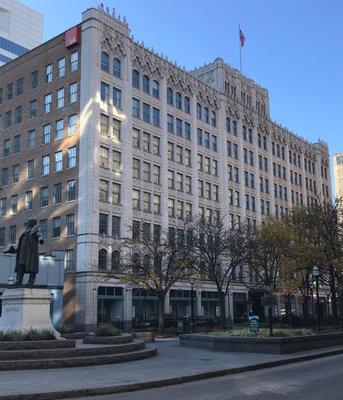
(27, 260)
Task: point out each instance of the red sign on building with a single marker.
(73, 37)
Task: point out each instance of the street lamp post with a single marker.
(192, 305)
(316, 273)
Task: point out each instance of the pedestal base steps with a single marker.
(70, 353)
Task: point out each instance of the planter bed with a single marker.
(271, 345)
(119, 339)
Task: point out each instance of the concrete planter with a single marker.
(272, 345)
(147, 337)
(119, 339)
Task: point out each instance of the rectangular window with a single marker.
(45, 166)
(170, 151)
(3, 207)
(157, 204)
(136, 168)
(105, 92)
(70, 224)
(179, 127)
(71, 190)
(135, 108)
(60, 98)
(58, 161)
(48, 73)
(116, 189)
(116, 129)
(179, 154)
(156, 145)
(116, 98)
(103, 190)
(56, 227)
(171, 208)
(15, 173)
(156, 175)
(146, 171)
(28, 200)
(59, 129)
(146, 141)
(136, 199)
(73, 92)
(61, 67)
(9, 91)
(33, 108)
(7, 119)
(116, 226)
(146, 202)
(116, 161)
(30, 169)
(69, 260)
(188, 158)
(72, 157)
(46, 134)
(74, 61)
(72, 124)
(4, 177)
(104, 157)
(57, 193)
(103, 224)
(170, 123)
(146, 112)
(187, 131)
(156, 117)
(44, 196)
(2, 237)
(34, 79)
(47, 103)
(6, 148)
(18, 114)
(136, 138)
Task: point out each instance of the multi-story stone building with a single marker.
(100, 133)
(21, 29)
(338, 173)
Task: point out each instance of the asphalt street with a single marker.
(320, 379)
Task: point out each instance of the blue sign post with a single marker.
(254, 325)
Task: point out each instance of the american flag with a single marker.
(241, 38)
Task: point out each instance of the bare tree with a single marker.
(157, 261)
(219, 252)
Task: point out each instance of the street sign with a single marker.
(254, 323)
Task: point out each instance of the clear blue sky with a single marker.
(293, 48)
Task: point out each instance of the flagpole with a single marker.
(240, 48)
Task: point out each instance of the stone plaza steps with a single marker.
(77, 361)
(83, 351)
(71, 353)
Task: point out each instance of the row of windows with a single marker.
(10, 91)
(56, 197)
(207, 165)
(147, 113)
(113, 130)
(146, 202)
(144, 83)
(177, 100)
(203, 114)
(105, 64)
(105, 195)
(179, 181)
(31, 139)
(181, 128)
(180, 154)
(143, 170)
(207, 140)
(208, 190)
(105, 95)
(106, 162)
(146, 142)
(45, 166)
(280, 192)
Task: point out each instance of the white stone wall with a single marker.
(101, 31)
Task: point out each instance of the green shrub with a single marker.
(264, 332)
(107, 330)
(30, 335)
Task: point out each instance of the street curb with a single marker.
(74, 393)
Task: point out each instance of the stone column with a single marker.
(127, 309)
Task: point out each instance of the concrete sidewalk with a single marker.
(173, 364)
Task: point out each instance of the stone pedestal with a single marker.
(26, 308)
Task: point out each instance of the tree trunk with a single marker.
(333, 294)
(221, 297)
(270, 320)
(161, 300)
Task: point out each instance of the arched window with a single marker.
(199, 111)
(105, 61)
(117, 68)
(206, 115)
(213, 119)
(170, 96)
(156, 89)
(146, 84)
(135, 79)
(115, 260)
(102, 260)
(178, 100)
(187, 105)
